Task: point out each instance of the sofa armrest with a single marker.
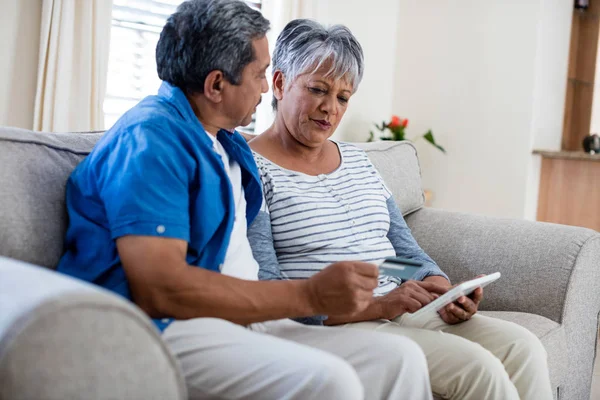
(61, 338)
(547, 269)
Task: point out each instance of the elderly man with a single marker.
(159, 213)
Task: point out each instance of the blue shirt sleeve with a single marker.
(144, 183)
(406, 246)
(260, 237)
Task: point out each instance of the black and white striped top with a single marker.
(319, 220)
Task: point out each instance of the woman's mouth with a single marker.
(321, 123)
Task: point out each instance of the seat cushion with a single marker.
(33, 173)
(551, 334)
(398, 164)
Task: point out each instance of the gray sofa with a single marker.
(64, 339)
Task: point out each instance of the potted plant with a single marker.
(395, 130)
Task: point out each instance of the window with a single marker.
(136, 27)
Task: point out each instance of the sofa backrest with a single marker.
(34, 168)
(398, 164)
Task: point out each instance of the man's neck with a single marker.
(209, 126)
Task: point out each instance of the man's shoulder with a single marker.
(152, 114)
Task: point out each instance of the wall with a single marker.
(552, 63)
(20, 33)
(489, 79)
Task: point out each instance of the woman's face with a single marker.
(312, 106)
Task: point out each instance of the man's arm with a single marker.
(164, 285)
(260, 237)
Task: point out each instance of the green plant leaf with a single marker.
(429, 137)
(371, 136)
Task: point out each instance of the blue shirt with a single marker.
(154, 173)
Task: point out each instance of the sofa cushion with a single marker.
(34, 167)
(551, 334)
(398, 164)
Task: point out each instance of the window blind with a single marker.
(136, 27)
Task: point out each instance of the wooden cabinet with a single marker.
(570, 189)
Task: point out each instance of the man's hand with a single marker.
(463, 308)
(342, 288)
(409, 297)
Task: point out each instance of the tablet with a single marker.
(453, 294)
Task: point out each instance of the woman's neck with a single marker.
(291, 147)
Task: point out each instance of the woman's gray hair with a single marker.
(305, 45)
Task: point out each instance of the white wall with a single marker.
(20, 33)
(552, 63)
(489, 78)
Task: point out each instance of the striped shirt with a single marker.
(319, 220)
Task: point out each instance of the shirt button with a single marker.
(353, 222)
(161, 229)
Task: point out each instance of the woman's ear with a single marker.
(278, 84)
(213, 86)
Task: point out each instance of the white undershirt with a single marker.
(239, 261)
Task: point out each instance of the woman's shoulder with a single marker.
(352, 153)
(350, 148)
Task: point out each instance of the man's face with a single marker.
(240, 101)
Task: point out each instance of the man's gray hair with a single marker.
(305, 45)
(207, 35)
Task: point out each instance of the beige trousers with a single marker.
(481, 359)
(287, 360)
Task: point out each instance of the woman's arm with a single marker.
(406, 246)
(260, 237)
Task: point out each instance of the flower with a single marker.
(394, 130)
(395, 122)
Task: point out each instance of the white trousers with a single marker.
(483, 358)
(287, 360)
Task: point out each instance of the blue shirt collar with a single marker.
(177, 98)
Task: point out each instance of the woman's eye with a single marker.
(316, 90)
(343, 100)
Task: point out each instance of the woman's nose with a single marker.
(328, 105)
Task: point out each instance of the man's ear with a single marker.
(213, 86)
(278, 84)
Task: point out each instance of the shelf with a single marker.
(568, 155)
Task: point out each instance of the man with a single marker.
(159, 212)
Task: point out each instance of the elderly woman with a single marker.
(324, 202)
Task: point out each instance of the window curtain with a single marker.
(279, 13)
(73, 63)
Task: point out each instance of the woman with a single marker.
(325, 202)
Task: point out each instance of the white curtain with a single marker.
(73, 63)
(279, 13)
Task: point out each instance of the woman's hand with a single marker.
(463, 308)
(409, 297)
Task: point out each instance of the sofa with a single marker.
(65, 339)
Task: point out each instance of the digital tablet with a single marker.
(463, 289)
